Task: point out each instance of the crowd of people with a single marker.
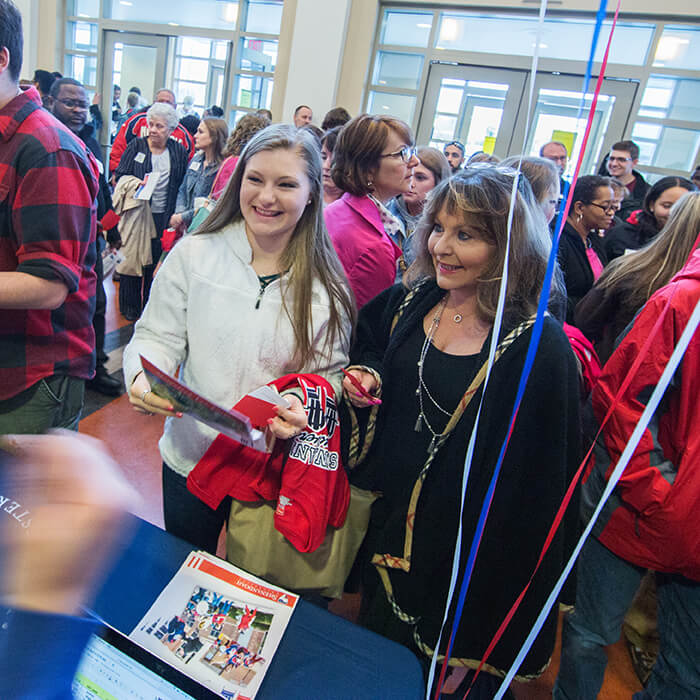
(347, 262)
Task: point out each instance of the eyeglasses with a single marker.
(406, 153)
(617, 159)
(607, 208)
(74, 104)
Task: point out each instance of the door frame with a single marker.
(110, 37)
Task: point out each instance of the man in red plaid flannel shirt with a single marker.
(48, 185)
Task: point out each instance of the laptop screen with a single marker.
(114, 667)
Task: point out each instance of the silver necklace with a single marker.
(422, 418)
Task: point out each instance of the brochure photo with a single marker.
(217, 624)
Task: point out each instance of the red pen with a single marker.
(356, 383)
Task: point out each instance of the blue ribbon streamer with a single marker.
(529, 361)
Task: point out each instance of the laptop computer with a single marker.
(113, 666)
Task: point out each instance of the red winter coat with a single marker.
(309, 483)
(652, 516)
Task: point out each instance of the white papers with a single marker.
(218, 624)
(150, 181)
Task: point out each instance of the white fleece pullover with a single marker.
(201, 316)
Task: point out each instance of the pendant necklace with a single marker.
(422, 418)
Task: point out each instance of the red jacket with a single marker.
(367, 253)
(309, 483)
(651, 519)
(135, 127)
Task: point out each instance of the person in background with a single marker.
(209, 141)
(246, 127)
(116, 106)
(373, 162)
(623, 157)
(187, 107)
(191, 123)
(264, 113)
(256, 293)
(315, 131)
(422, 361)
(213, 111)
(408, 207)
(338, 116)
(159, 154)
(330, 191)
(47, 254)
(581, 255)
(695, 176)
(483, 157)
(454, 152)
(650, 520)
(628, 281)
(302, 116)
(643, 225)
(619, 194)
(557, 153)
(57, 548)
(43, 80)
(137, 127)
(69, 103)
(544, 176)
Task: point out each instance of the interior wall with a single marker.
(316, 55)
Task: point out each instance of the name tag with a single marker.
(100, 167)
(194, 165)
(140, 157)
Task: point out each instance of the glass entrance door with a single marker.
(486, 109)
(474, 105)
(555, 112)
(130, 59)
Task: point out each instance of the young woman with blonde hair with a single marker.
(258, 292)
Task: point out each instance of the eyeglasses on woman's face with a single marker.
(406, 153)
(607, 207)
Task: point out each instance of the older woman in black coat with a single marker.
(155, 153)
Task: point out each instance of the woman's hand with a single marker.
(145, 401)
(369, 384)
(289, 422)
(176, 221)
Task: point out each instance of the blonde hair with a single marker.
(638, 275)
(309, 253)
(484, 192)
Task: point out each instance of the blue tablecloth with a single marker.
(320, 656)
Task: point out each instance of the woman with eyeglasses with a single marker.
(581, 254)
(373, 162)
(644, 224)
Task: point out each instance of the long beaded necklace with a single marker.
(422, 418)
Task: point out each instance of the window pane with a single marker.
(406, 28)
(81, 68)
(400, 106)
(196, 90)
(566, 39)
(264, 16)
(81, 35)
(193, 13)
(679, 47)
(191, 69)
(666, 147)
(83, 8)
(671, 98)
(401, 70)
(193, 46)
(258, 54)
(252, 91)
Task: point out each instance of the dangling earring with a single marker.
(578, 218)
(370, 183)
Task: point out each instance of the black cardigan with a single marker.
(542, 455)
(573, 261)
(178, 165)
